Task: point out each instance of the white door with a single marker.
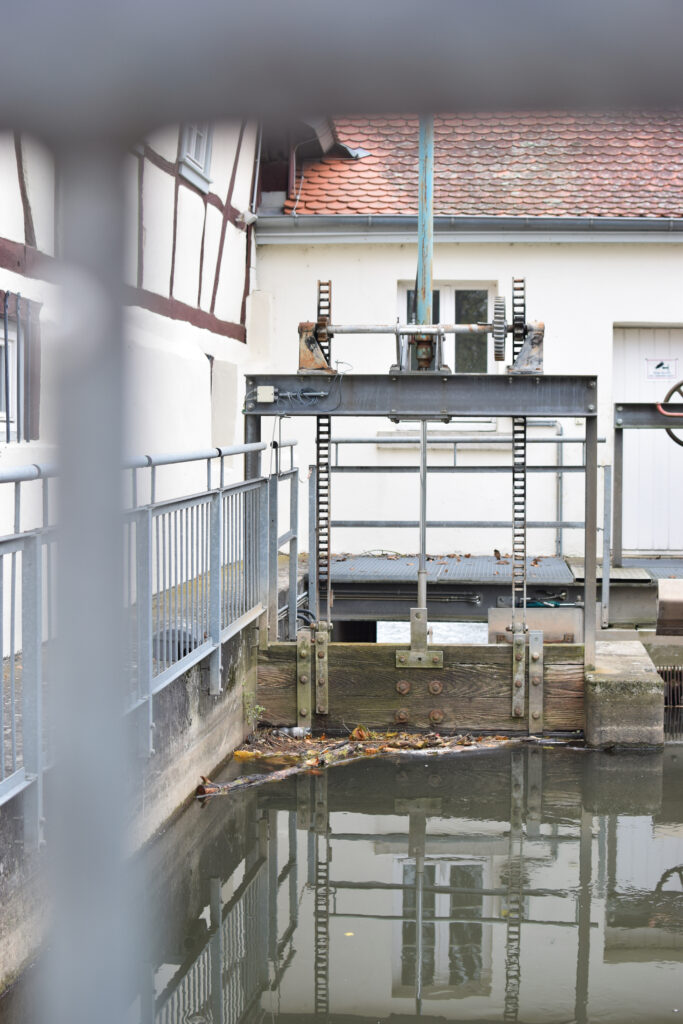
(647, 362)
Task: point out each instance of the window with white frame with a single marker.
(461, 304)
(19, 369)
(195, 154)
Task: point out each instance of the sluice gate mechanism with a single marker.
(542, 618)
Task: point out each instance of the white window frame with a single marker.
(12, 356)
(447, 290)
(193, 169)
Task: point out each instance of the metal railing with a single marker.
(196, 572)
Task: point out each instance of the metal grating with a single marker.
(672, 675)
(620, 574)
(445, 569)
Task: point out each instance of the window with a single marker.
(460, 306)
(19, 369)
(195, 154)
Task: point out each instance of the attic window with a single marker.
(195, 154)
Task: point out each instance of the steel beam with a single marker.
(646, 415)
(441, 396)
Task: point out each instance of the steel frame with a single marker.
(436, 396)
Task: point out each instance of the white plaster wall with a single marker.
(158, 190)
(580, 290)
(39, 174)
(241, 196)
(212, 238)
(231, 281)
(131, 170)
(190, 226)
(11, 209)
(223, 151)
(164, 141)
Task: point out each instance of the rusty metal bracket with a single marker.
(518, 673)
(320, 658)
(419, 655)
(535, 682)
(303, 678)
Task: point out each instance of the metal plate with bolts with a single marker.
(320, 659)
(419, 659)
(303, 678)
(518, 673)
(535, 682)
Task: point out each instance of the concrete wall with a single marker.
(580, 289)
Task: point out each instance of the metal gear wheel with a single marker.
(500, 328)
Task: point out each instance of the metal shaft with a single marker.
(422, 565)
(425, 221)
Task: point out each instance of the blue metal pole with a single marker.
(425, 220)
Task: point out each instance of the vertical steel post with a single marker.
(252, 460)
(617, 541)
(590, 541)
(606, 539)
(94, 950)
(425, 220)
(422, 569)
(272, 558)
(143, 565)
(312, 541)
(32, 687)
(293, 552)
(215, 534)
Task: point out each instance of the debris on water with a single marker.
(292, 755)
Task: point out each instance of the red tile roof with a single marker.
(552, 165)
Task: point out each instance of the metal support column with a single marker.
(425, 221)
(617, 531)
(606, 538)
(252, 460)
(590, 541)
(272, 557)
(216, 532)
(422, 566)
(293, 554)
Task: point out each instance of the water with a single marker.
(521, 884)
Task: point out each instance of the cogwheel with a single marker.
(518, 315)
(500, 328)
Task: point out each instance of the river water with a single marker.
(530, 884)
(527, 883)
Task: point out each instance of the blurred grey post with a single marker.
(86, 976)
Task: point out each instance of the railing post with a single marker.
(606, 539)
(617, 540)
(293, 552)
(215, 567)
(272, 557)
(312, 541)
(143, 571)
(32, 687)
(590, 541)
(263, 522)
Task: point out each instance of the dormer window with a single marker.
(195, 154)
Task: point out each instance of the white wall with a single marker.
(580, 290)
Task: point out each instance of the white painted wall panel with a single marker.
(158, 199)
(188, 246)
(241, 196)
(164, 141)
(224, 149)
(212, 237)
(11, 209)
(231, 280)
(39, 174)
(131, 167)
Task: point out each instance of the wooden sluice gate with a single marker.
(473, 691)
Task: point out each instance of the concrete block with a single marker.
(624, 698)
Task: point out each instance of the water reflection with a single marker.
(532, 884)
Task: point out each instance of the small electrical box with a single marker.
(265, 393)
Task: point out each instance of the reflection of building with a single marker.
(353, 896)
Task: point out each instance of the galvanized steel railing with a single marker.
(196, 572)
